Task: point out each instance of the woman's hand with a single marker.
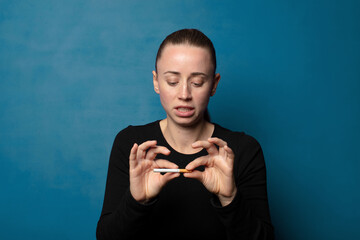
(218, 176)
(144, 183)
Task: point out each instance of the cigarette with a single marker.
(166, 170)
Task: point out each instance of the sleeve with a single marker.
(247, 216)
(121, 215)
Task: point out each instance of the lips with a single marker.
(184, 111)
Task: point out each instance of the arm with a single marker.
(129, 198)
(120, 210)
(248, 214)
(238, 184)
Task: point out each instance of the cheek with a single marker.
(165, 97)
(202, 98)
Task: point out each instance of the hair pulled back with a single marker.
(192, 37)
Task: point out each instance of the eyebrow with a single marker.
(192, 74)
(171, 72)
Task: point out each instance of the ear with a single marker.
(215, 84)
(156, 82)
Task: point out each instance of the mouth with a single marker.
(184, 111)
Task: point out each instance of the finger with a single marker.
(217, 141)
(197, 162)
(221, 143)
(210, 148)
(132, 157)
(161, 163)
(195, 175)
(230, 153)
(151, 154)
(199, 144)
(141, 153)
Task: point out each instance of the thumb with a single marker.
(164, 179)
(195, 175)
(168, 177)
(201, 161)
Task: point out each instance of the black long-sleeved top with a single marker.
(184, 209)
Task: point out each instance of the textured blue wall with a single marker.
(74, 73)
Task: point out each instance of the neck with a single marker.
(180, 137)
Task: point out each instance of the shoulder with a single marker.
(236, 139)
(137, 133)
(126, 138)
(248, 153)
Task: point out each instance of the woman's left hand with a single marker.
(218, 176)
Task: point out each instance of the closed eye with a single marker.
(171, 83)
(197, 81)
(197, 84)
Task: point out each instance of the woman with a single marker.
(222, 195)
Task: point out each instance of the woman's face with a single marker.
(185, 81)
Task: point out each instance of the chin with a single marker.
(186, 122)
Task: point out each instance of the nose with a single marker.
(185, 92)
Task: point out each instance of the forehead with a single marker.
(186, 58)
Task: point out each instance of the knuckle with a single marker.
(142, 146)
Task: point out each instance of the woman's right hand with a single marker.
(144, 183)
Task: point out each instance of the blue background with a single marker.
(74, 73)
